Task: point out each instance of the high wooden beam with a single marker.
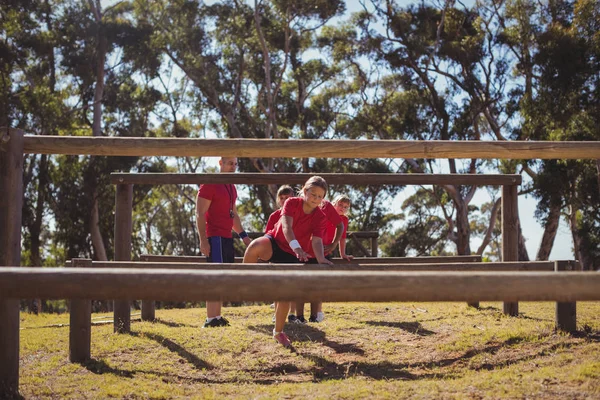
(330, 286)
(301, 148)
(11, 204)
(299, 178)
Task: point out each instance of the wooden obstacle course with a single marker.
(11, 170)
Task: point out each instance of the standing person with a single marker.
(216, 215)
(342, 206)
(283, 193)
(301, 226)
(333, 233)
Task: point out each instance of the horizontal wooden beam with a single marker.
(301, 148)
(331, 286)
(300, 178)
(402, 265)
(358, 261)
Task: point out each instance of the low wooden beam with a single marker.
(303, 148)
(459, 266)
(246, 178)
(330, 286)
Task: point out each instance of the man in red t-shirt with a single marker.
(216, 216)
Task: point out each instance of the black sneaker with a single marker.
(313, 318)
(292, 318)
(215, 323)
(300, 320)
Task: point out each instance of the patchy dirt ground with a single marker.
(391, 350)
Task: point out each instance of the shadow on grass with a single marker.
(176, 348)
(100, 367)
(173, 324)
(410, 327)
(308, 333)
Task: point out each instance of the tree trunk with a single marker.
(523, 254)
(463, 230)
(550, 229)
(97, 241)
(581, 251)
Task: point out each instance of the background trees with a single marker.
(380, 69)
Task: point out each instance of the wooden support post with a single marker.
(510, 234)
(148, 310)
(11, 204)
(374, 247)
(566, 312)
(80, 325)
(123, 231)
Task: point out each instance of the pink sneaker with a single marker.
(283, 339)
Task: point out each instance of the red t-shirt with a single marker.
(218, 218)
(333, 219)
(304, 226)
(273, 218)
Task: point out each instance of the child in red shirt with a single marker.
(333, 234)
(301, 226)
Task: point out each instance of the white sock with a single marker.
(276, 333)
(210, 319)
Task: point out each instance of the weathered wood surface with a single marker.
(300, 148)
(446, 266)
(246, 178)
(80, 323)
(510, 235)
(123, 231)
(11, 204)
(566, 312)
(330, 286)
(357, 260)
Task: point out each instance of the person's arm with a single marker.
(237, 227)
(339, 230)
(202, 206)
(287, 224)
(343, 250)
(317, 245)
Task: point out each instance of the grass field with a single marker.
(361, 350)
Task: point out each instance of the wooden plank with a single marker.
(123, 232)
(302, 148)
(330, 286)
(448, 266)
(80, 322)
(566, 312)
(510, 235)
(357, 260)
(246, 178)
(11, 204)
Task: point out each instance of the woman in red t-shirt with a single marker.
(301, 226)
